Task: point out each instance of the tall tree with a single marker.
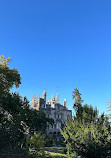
(77, 96)
(109, 108)
(78, 102)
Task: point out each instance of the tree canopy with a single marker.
(17, 120)
(8, 77)
(87, 134)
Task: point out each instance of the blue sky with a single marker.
(59, 43)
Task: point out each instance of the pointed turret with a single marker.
(65, 102)
(44, 93)
(57, 98)
(53, 101)
(44, 96)
(53, 98)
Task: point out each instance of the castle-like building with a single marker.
(53, 109)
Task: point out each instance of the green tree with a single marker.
(109, 108)
(87, 134)
(16, 118)
(77, 96)
(87, 140)
(35, 144)
(8, 77)
(78, 102)
(89, 114)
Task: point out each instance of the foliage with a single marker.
(109, 109)
(85, 112)
(17, 120)
(88, 114)
(77, 96)
(8, 77)
(35, 144)
(50, 141)
(88, 140)
(88, 135)
(78, 102)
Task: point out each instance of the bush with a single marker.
(35, 145)
(87, 140)
(50, 141)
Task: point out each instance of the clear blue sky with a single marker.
(59, 43)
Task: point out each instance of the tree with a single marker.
(78, 102)
(8, 77)
(89, 114)
(35, 144)
(16, 118)
(109, 109)
(77, 96)
(87, 134)
(88, 140)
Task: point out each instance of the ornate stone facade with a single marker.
(53, 109)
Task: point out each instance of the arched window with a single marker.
(34, 104)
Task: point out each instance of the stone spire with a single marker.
(57, 98)
(52, 101)
(53, 98)
(44, 95)
(65, 102)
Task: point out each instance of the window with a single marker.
(35, 105)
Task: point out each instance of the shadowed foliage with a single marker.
(17, 120)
